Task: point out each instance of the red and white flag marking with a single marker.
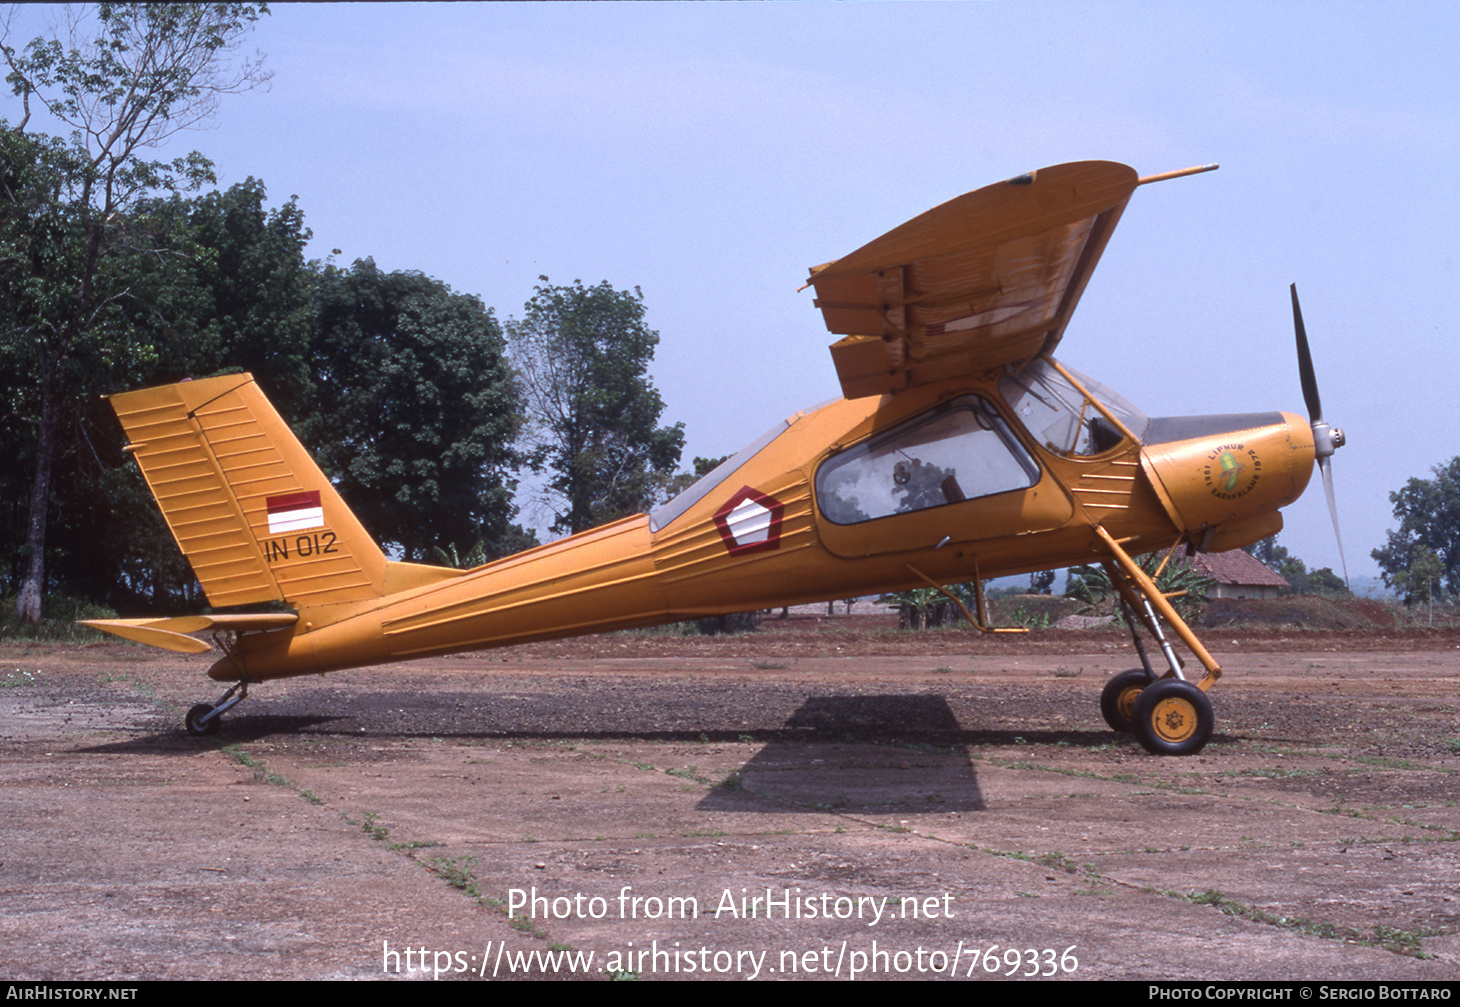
(295, 512)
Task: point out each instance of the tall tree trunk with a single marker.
(28, 605)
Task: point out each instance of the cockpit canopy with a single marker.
(1064, 422)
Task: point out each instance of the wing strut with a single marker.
(981, 622)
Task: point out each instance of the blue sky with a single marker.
(710, 153)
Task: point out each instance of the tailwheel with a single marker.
(198, 727)
(1118, 698)
(195, 723)
(1172, 717)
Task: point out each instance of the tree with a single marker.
(123, 85)
(399, 384)
(1301, 580)
(253, 300)
(235, 294)
(1323, 581)
(1421, 579)
(1281, 562)
(582, 356)
(415, 412)
(1428, 512)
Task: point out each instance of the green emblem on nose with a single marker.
(1231, 469)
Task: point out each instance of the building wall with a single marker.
(1242, 591)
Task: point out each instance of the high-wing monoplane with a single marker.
(961, 450)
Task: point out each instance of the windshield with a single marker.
(1062, 419)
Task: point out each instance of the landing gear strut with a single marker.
(204, 718)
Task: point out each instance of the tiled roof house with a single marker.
(1237, 574)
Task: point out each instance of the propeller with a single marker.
(1326, 439)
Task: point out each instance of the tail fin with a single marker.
(250, 510)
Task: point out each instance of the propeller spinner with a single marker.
(1326, 439)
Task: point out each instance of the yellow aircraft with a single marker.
(962, 450)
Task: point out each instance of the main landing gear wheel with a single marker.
(1173, 717)
(1118, 698)
(195, 723)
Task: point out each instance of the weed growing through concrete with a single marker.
(1402, 942)
(266, 774)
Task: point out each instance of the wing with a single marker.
(987, 279)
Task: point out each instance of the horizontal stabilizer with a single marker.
(172, 633)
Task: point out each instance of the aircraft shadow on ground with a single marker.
(858, 755)
(909, 721)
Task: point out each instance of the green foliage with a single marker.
(1087, 584)
(60, 615)
(111, 278)
(582, 356)
(1327, 583)
(245, 298)
(1428, 512)
(1029, 619)
(929, 608)
(235, 292)
(734, 622)
(1301, 580)
(140, 74)
(1091, 584)
(1422, 580)
(231, 290)
(449, 556)
(415, 410)
(71, 225)
(392, 376)
(459, 873)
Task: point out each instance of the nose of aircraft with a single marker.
(1222, 479)
(1228, 475)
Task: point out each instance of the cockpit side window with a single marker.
(1060, 417)
(958, 451)
(663, 516)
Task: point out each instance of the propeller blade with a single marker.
(1326, 439)
(1305, 363)
(1325, 466)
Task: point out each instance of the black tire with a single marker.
(1173, 717)
(195, 724)
(1118, 698)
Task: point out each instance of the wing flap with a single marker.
(987, 279)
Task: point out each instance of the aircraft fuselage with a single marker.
(941, 482)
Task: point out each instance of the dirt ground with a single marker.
(818, 799)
